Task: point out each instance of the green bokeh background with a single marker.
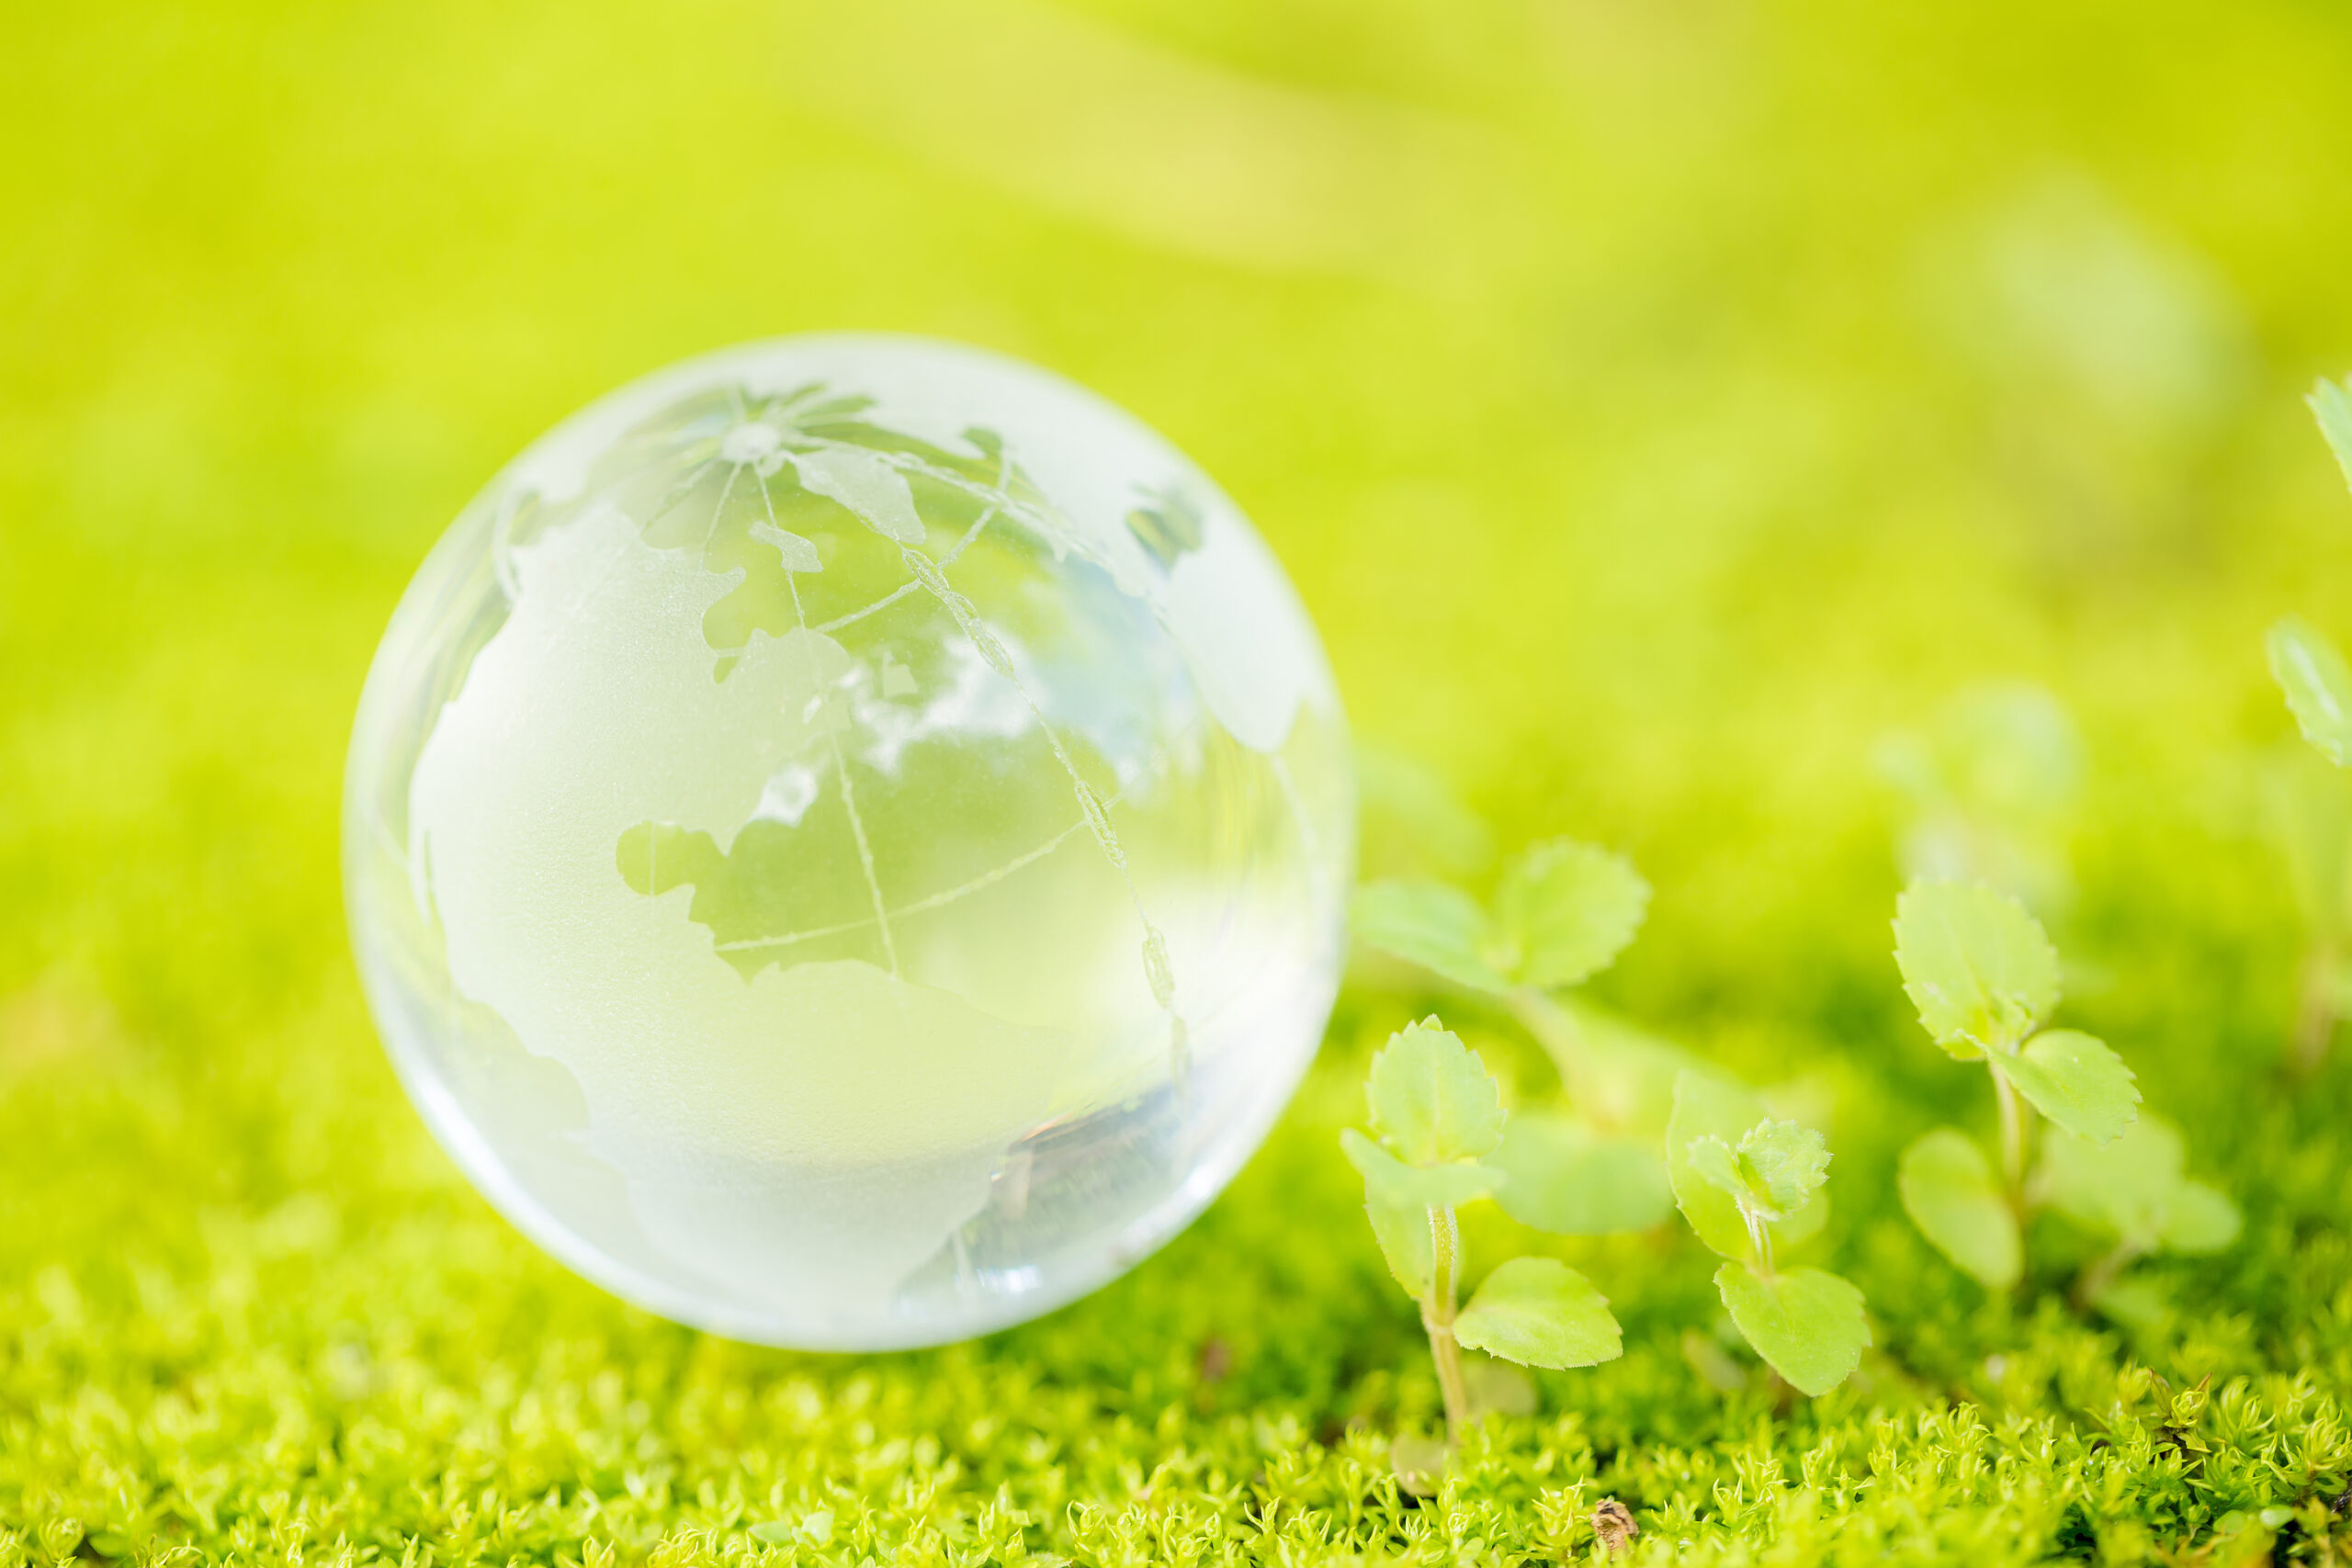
(1654, 404)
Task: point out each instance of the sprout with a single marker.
(1438, 1115)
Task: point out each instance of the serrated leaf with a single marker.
(1975, 965)
(1716, 1165)
(1413, 1185)
(1777, 1165)
(2331, 405)
(1710, 1104)
(1439, 927)
(1809, 1324)
(1539, 1312)
(1431, 1099)
(1561, 1176)
(2317, 683)
(1405, 1243)
(2074, 1079)
(1783, 1165)
(1564, 911)
(1949, 1192)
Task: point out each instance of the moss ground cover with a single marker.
(1660, 406)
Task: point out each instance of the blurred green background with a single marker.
(1655, 403)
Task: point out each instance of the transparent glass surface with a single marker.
(845, 841)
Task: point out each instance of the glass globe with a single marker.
(846, 838)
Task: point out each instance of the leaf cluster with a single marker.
(1437, 1112)
(1987, 787)
(1986, 979)
(2308, 668)
(1751, 1189)
(1561, 912)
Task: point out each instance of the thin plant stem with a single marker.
(2013, 1137)
(2100, 1273)
(2316, 1008)
(1437, 1317)
(1557, 1029)
(1759, 1238)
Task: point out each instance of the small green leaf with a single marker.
(2331, 405)
(1564, 911)
(2135, 1303)
(1710, 1104)
(1412, 817)
(1416, 1186)
(2318, 685)
(1497, 1388)
(1783, 1165)
(1431, 1097)
(1975, 965)
(1405, 1243)
(2202, 1219)
(1948, 1192)
(1808, 1325)
(2307, 811)
(2135, 1189)
(1439, 927)
(1716, 1163)
(1539, 1312)
(1707, 1104)
(1776, 1167)
(1418, 1463)
(1713, 1364)
(1563, 1178)
(1618, 1077)
(2074, 1080)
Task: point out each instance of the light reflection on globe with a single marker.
(845, 841)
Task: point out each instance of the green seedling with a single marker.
(1751, 1189)
(1986, 979)
(1437, 1119)
(1560, 913)
(2307, 812)
(1986, 789)
(2136, 1192)
(2317, 682)
(1410, 823)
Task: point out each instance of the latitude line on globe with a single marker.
(922, 906)
(904, 588)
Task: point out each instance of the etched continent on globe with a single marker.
(846, 840)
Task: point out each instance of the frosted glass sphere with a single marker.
(845, 841)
